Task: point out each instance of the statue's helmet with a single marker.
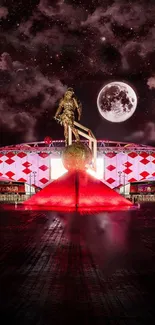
(70, 91)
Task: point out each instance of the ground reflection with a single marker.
(104, 234)
(99, 265)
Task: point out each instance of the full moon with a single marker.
(117, 102)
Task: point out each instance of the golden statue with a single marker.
(68, 104)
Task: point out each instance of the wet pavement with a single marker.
(45, 279)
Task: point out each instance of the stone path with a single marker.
(46, 280)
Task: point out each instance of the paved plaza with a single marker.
(45, 279)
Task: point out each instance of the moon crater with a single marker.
(117, 102)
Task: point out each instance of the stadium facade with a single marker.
(37, 163)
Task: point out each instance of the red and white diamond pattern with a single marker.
(19, 167)
(132, 155)
(44, 169)
(144, 166)
(21, 160)
(123, 168)
(134, 166)
(9, 165)
(132, 159)
(152, 166)
(110, 169)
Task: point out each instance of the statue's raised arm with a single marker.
(78, 107)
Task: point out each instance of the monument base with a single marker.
(77, 191)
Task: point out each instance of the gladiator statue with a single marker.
(65, 113)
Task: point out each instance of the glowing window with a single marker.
(99, 169)
(57, 168)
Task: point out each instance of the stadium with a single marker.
(37, 163)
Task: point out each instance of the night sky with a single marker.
(49, 45)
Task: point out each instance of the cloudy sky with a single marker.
(49, 45)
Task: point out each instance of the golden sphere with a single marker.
(76, 156)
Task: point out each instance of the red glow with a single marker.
(64, 195)
(48, 140)
(82, 211)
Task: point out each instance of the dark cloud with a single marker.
(110, 56)
(3, 12)
(61, 10)
(113, 31)
(151, 82)
(17, 121)
(20, 86)
(145, 135)
(131, 16)
(129, 28)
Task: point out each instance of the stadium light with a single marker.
(57, 168)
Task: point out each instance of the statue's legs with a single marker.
(66, 134)
(75, 132)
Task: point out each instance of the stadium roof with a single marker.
(58, 145)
